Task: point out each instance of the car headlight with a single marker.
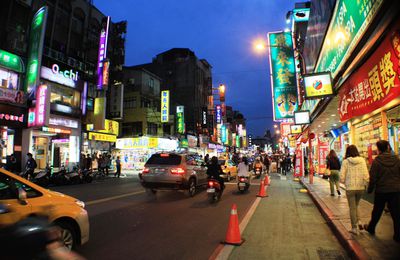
(80, 203)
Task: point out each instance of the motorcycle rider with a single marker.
(258, 165)
(214, 170)
(243, 168)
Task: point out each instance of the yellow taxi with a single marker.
(229, 168)
(23, 198)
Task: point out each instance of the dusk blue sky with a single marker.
(220, 31)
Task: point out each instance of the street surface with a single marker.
(128, 223)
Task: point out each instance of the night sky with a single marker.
(220, 31)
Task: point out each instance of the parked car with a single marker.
(25, 199)
(172, 171)
(229, 168)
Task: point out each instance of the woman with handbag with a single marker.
(333, 168)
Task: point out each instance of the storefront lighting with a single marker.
(333, 115)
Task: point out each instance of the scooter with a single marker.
(243, 184)
(85, 175)
(42, 178)
(214, 190)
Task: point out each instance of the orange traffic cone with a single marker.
(233, 233)
(266, 180)
(261, 192)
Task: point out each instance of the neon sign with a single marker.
(41, 107)
(69, 74)
(164, 106)
(218, 114)
(10, 117)
(102, 53)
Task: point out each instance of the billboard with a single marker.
(164, 106)
(36, 39)
(376, 82)
(302, 117)
(348, 23)
(99, 113)
(318, 85)
(283, 75)
(102, 55)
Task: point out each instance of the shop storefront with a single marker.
(100, 141)
(134, 152)
(13, 112)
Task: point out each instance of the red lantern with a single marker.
(311, 136)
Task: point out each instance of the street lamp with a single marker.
(275, 126)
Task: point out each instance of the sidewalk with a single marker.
(336, 212)
(286, 225)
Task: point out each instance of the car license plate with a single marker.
(242, 184)
(160, 171)
(210, 190)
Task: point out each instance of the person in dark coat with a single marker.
(385, 180)
(214, 170)
(333, 164)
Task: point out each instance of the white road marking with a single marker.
(92, 202)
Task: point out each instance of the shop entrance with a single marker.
(393, 117)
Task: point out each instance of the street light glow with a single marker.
(259, 45)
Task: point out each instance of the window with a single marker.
(130, 102)
(165, 159)
(145, 102)
(64, 96)
(152, 129)
(9, 188)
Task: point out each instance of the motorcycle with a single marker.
(42, 178)
(85, 175)
(214, 190)
(243, 184)
(257, 172)
(73, 176)
(59, 178)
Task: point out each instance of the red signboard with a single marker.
(323, 151)
(376, 82)
(285, 129)
(298, 171)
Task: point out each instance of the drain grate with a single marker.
(325, 254)
(307, 205)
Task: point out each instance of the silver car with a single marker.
(172, 171)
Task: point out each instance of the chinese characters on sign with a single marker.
(375, 83)
(180, 119)
(283, 75)
(164, 106)
(102, 53)
(42, 106)
(218, 114)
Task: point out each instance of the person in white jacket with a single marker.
(354, 174)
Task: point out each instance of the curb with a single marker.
(353, 247)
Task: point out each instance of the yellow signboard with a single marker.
(102, 137)
(110, 127)
(164, 106)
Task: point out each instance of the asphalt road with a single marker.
(128, 223)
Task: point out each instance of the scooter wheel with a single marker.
(89, 179)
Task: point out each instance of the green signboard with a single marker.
(36, 39)
(11, 61)
(180, 119)
(283, 75)
(238, 141)
(349, 22)
(184, 143)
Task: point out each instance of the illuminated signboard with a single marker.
(84, 98)
(285, 129)
(348, 24)
(238, 141)
(111, 127)
(180, 119)
(64, 77)
(99, 113)
(55, 130)
(42, 106)
(11, 61)
(223, 134)
(184, 143)
(302, 117)
(164, 106)
(106, 74)
(36, 39)
(283, 75)
(295, 129)
(102, 52)
(301, 14)
(204, 117)
(62, 121)
(218, 114)
(102, 137)
(137, 143)
(11, 117)
(11, 96)
(318, 85)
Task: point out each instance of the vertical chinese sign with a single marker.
(218, 114)
(298, 170)
(36, 39)
(180, 119)
(39, 115)
(376, 82)
(283, 76)
(164, 106)
(102, 64)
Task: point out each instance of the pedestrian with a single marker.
(118, 166)
(11, 163)
(100, 163)
(88, 162)
(333, 165)
(30, 166)
(267, 163)
(354, 174)
(385, 180)
(288, 163)
(206, 159)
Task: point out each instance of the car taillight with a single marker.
(178, 171)
(241, 179)
(210, 183)
(145, 170)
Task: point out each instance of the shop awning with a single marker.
(11, 61)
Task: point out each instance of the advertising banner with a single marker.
(102, 137)
(376, 82)
(180, 119)
(204, 117)
(299, 169)
(285, 129)
(110, 127)
(318, 85)
(218, 114)
(11, 61)
(36, 39)
(137, 143)
(42, 109)
(323, 151)
(164, 106)
(283, 75)
(11, 96)
(349, 22)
